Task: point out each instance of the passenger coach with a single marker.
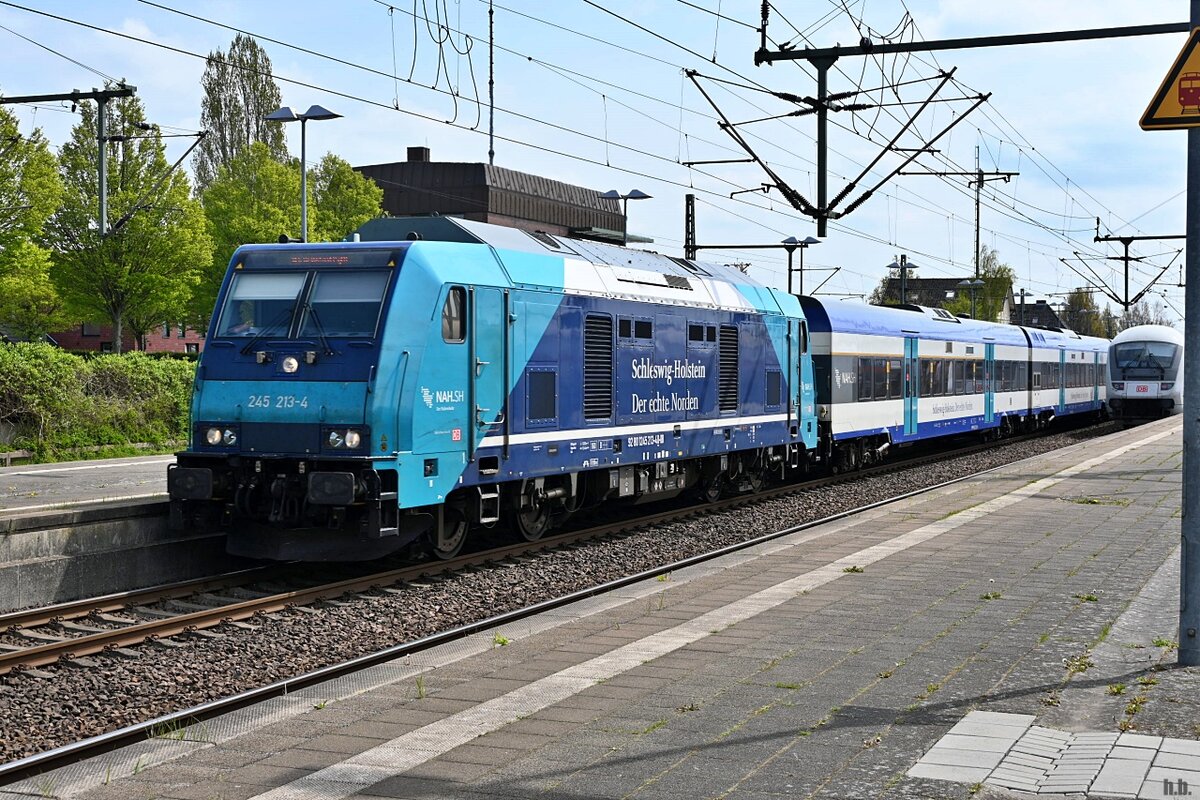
(896, 375)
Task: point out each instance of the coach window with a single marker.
(454, 319)
(864, 379)
(959, 384)
(879, 377)
(895, 379)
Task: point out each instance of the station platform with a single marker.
(35, 488)
(935, 647)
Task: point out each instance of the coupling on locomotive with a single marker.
(356, 398)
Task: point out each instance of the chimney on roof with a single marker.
(418, 154)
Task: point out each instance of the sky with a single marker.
(596, 94)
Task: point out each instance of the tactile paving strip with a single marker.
(1009, 752)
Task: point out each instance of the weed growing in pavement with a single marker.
(138, 766)
(1051, 699)
(1147, 680)
(1116, 688)
(990, 596)
(651, 728)
(662, 598)
(1135, 705)
(887, 673)
(45, 785)
(788, 685)
(1045, 637)
(856, 568)
(1126, 725)
(500, 640)
(666, 576)
(420, 687)
(1079, 663)
(1104, 632)
(930, 688)
(689, 707)
(1087, 598)
(1100, 501)
(320, 705)
(1170, 644)
(974, 788)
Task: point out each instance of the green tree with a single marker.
(885, 294)
(30, 190)
(344, 199)
(257, 199)
(997, 280)
(1081, 314)
(146, 265)
(238, 92)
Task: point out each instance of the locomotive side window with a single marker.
(454, 320)
(543, 396)
(774, 388)
(625, 328)
(643, 329)
(695, 333)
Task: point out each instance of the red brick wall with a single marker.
(96, 335)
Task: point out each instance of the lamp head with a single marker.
(319, 112)
(637, 194)
(284, 114)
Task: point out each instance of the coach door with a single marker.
(1062, 381)
(911, 384)
(989, 382)
(487, 365)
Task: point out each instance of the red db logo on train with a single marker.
(456, 435)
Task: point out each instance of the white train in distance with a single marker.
(1145, 373)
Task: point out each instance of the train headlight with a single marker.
(336, 439)
(1118, 386)
(290, 364)
(229, 438)
(353, 439)
(1168, 386)
(213, 436)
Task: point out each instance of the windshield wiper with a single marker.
(268, 328)
(312, 312)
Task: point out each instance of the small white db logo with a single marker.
(456, 435)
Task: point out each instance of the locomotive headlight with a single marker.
(353, 439)
(229, 438)
(290, 364)
(336, 439)
(213, 436)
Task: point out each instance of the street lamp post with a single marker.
(790, 244)
(634, 194)
(973, 286)
(285, 114)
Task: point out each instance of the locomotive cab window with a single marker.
(454, 319)
(261, 304)
(542, 390)
(344, 304)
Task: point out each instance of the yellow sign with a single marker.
(1176, 104)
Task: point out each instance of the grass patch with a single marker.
(1078, 664)
(1116, 688)
(990, 596)
(853, 569)
(1087, 598)
(1169, 644)
(1099, 501)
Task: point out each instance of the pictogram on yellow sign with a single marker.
(1176, 104)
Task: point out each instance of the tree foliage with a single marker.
(257, 199)
(1143, 313)
(30, 190)
(238, 92)
(997, 278)
(142, 272)
(1081, 314)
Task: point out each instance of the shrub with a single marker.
(52, 401)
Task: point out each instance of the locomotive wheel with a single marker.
(711, 491)
(448, 542)
(532, 514)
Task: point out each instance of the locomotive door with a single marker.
(989, 382)
(489, 393)
(911, 384)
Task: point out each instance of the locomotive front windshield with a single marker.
(1154, 360)
(304, 304)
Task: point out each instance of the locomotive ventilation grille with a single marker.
(729, 368)
(597, 367)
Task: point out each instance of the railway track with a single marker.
(70, 632)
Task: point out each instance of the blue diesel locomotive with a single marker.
(356, 397)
